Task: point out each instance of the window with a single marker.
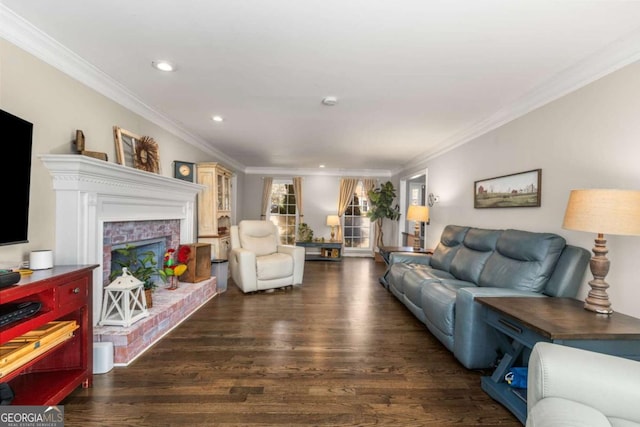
(283, 211)
(357, 226)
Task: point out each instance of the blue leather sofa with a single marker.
(469, 262)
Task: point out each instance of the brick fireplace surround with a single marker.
(170, 308)
(96, 200)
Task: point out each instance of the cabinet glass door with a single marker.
(227, 193)
(220, 191)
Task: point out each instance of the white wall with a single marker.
(320, 198)
(587, 139)
(57, 105)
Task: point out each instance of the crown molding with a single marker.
(616, 55)
(23, 34)
(382, 173)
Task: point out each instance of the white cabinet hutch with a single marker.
(214, 208)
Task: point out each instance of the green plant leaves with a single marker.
(142, 266)
(381, 200)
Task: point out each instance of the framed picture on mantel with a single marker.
(518, 190)
(125, 146)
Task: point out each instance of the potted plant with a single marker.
(305, 233)
(381, 207)
(142, 266)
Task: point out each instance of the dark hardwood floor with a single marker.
(338, 351)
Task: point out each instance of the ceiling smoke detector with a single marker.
(330, 100)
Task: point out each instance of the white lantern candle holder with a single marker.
(124, 301)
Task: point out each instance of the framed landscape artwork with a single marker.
(517, 190)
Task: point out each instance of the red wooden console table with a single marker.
(65, 293)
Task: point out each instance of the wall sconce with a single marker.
(418, 214)
(432, 199)
(333, 221)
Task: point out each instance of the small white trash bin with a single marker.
(102, 357)
(220, 269)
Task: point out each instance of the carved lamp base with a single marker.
(598, 300)
(416, 237)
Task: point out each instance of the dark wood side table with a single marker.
(385, 253)
(521, 322)
(329, 251)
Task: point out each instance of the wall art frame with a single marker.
(125, 146)
(140, 152)
(517, 190)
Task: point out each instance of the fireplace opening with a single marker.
(146, 253)
(159, 234)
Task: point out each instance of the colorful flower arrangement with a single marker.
(174, 265)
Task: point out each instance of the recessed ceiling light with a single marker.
(330, 100)
(163, 65)
(217, 119)
(321, 166)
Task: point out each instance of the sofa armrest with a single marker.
(298, 254)
(606, 383)
(409, 258)
(243, 269)
(292, 250)
(475, 345)
(569, 272)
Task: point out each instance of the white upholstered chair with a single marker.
(575, 387)
(258, 261)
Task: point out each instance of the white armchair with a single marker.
(258, 261)
(574, 387)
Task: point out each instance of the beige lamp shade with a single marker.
(603, 211)
(418, 213)
(333, 220)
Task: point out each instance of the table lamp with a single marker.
(333, 221)
(417, 214)
(602, 211)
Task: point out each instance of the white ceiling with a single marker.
(412, 77)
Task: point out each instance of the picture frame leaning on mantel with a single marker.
(140, 152)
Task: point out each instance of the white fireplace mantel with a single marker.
(90, 192)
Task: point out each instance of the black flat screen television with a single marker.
(16, 135)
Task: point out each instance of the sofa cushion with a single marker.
(260, 237)
(414, 280)
(274, 266)
(450, 241)
(477, 247)
(395, 277)
(439, 302)
(556, 411)
(522, 260)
